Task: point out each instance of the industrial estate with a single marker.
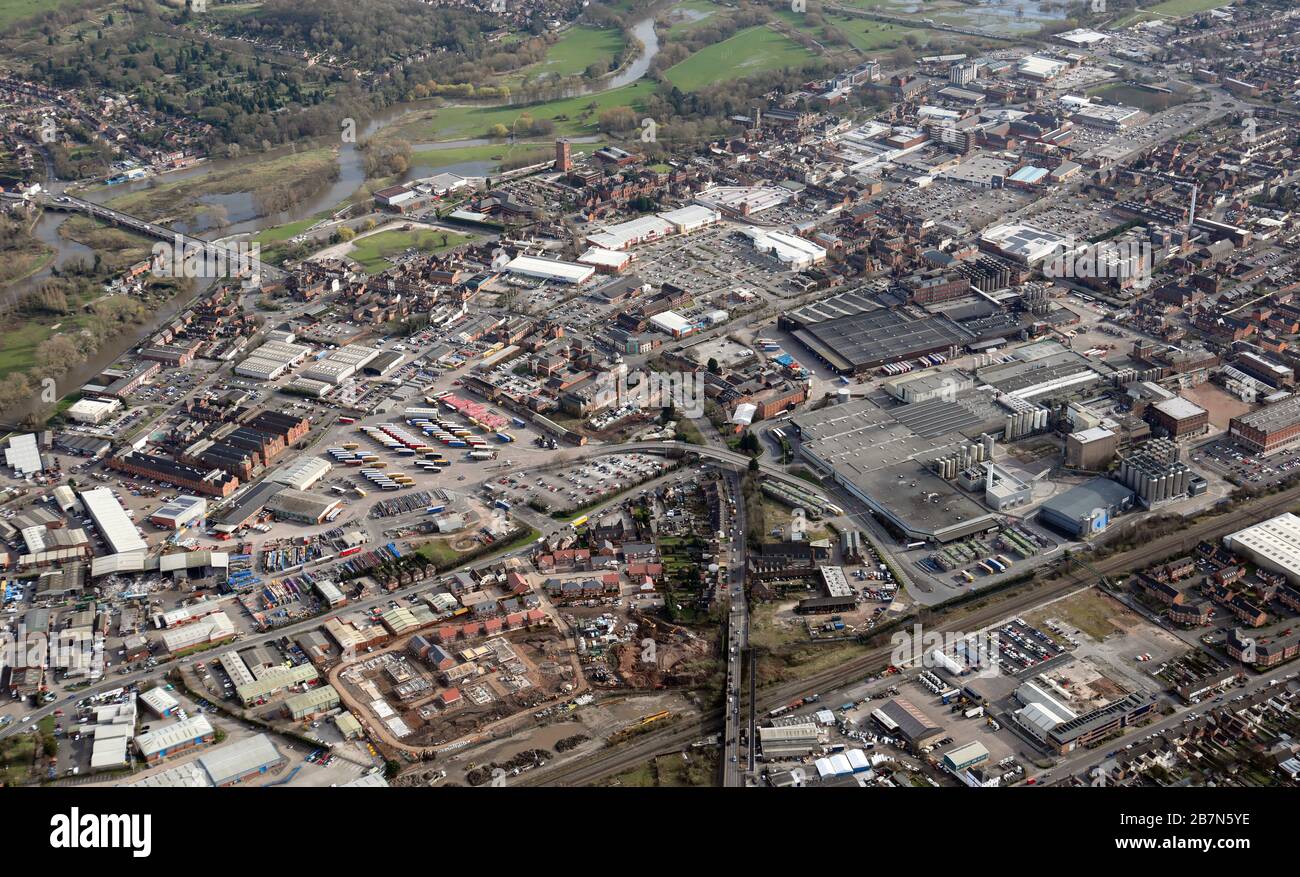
(716, 393)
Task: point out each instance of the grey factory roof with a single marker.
(1080, 501)
(1273, 417)
(841, 305)
(910, 721)
(248, 504)
(235, 760)
(878, 455)
(873, 337)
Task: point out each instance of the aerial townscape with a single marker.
(859, 394)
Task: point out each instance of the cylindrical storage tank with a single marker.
(1007, 434)
(988, 446)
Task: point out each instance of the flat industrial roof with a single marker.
(880, 336)
(1275, 543)
(233, 761)
(110, 518)
(549, 269)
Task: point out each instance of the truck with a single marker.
(505, 437)
(519, 422)
(974, 712)
(482, 455)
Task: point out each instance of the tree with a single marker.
(713, 366)
(753, 464)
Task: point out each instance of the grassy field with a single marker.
(374, 251)
(181, 198)
(1090, 611)
(432, 160)
(17, 10)
(573, 116)
(1177, 8)
(872, 36)
(577, 50)
(753, 50)
(680, 769)
(697, 12)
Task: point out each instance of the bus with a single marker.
(578, 521)
(347, 420)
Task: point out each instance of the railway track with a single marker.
(616, 759)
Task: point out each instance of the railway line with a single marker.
(592, 768)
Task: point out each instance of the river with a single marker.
(241, 209)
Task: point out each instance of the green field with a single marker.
(702, 11)
(1178, 8)
(374, 250)
(872, 36)
(753, 50)
(577, 50)
(433, 160)
(863, 34)
(572, 116)
(17, 10)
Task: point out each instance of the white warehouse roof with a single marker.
(634, 231)
(691, 216)
(170, 736)
(788, 248)
(233, 762)
(550, 269)
(302, 473)
(110, 518)
(1273, 544)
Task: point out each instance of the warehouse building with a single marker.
(550, 269)
(238, 762)
(215, 628)
(160, 701)
(1268, 429)
(383, 363)
(788, 741)
(311, 702)
(1273, 544)
(858, 342)
(274, 680)
(119, 531)
(634, 231)
(175, 738)
(692, 217)
(181, 512)
(302, 473)
(1086, 509)
(109, 749)
(93, 411)
(305, 508)
(964, 757)
(792, 251)
(901, 718)
(883, 458)
(244, 509)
